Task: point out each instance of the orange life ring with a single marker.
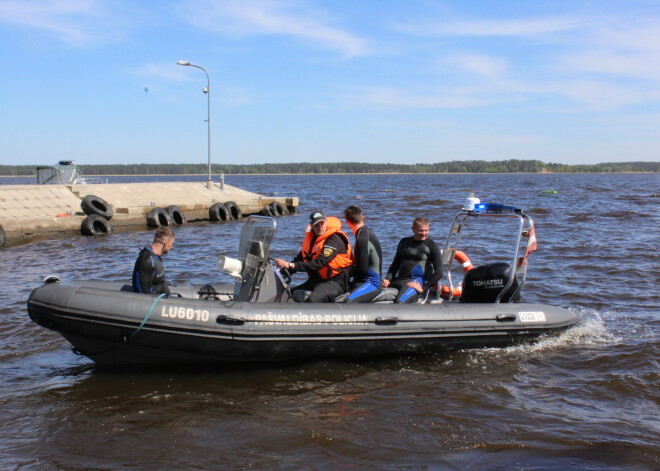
(465, 262)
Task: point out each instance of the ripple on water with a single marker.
(583, 399)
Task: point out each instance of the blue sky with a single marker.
(316, 81)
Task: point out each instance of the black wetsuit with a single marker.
(415, 260)
(322, 290)
(367, 268)
(149, 273)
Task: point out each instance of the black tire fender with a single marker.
(95, 225)
(158, 217)
(219, 212)
(91, 204)
(176, 215)
(278, 208)
(267, 211)
(3, 237)
(234, 210)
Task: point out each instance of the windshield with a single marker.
(256, 237)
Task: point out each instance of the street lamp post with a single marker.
(207, 90)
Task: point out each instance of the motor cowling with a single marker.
(484, 283)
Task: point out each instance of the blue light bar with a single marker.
(495, 208)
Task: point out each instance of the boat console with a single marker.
(257, 278)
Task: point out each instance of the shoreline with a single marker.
(338, 174)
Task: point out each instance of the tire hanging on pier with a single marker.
(91, 204)
(177, 216)
(158, 217)
(3, 237)
(234, 210)
(219, 212)
(278, 208)
(267, 211)
(95, 225)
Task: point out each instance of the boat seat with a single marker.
(386, 295)
(300, 295)
(341, 298)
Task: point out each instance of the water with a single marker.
(586, 400)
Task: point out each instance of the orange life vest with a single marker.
(312, 248)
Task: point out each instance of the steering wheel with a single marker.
(286, 274)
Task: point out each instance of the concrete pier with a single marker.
(29, 212)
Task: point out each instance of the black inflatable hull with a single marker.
(114, 327)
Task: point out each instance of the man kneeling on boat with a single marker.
(326, 256)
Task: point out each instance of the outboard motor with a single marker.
(484, 283)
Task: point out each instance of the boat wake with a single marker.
(590, 330)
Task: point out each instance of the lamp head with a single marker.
(183, 62)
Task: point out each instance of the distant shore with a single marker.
(329, 174)
(460, 167)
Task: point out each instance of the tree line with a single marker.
(457, 166)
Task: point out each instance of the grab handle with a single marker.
(227, 320)
(506, 317)
(386, 320)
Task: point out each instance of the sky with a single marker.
(395, 81)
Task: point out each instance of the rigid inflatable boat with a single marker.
(255, 319)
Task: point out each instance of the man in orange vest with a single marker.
(326, 256)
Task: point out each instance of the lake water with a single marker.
(585, 400)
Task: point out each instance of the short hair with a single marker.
(353, 214)
(420, 221)
(163, 233)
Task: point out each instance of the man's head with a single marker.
(318, 222)
(420, 228)
(163, 240)
(353, 215)
(354, 218)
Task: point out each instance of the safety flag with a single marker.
(531, 245)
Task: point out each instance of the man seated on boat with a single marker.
(368, 259)
(326, 256)
(149, 272)
(417, 265)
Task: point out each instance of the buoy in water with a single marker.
(548, 192)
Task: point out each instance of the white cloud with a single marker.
(627, 49)
(599, 62)
(170, 71)
(508, 27)
(240, 18)
(391, 97)
(81, 23)
(645, 66)
(481, 64)
(602, 95)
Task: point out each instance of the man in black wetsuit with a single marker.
(417, 265)
(149, 272)
(368, 259)
(325, 256)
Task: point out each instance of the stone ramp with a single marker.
(32, 201)
(139, 198)
(32, 211)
